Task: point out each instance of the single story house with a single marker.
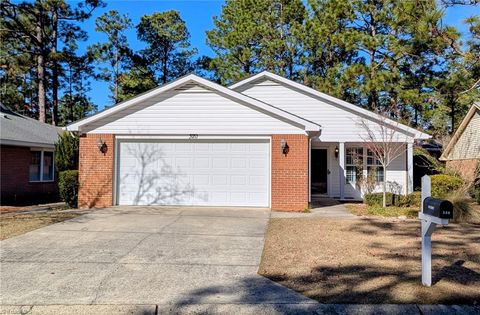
(263, 142)
(462, 154)
(27, 159)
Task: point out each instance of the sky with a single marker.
(198, 15)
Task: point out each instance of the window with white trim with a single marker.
(41, 166)
(353, 164)
(374, 165)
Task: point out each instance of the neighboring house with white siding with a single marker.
(462, 153)
(264, 142)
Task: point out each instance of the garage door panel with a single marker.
(215, 173)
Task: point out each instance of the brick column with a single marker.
(96, 172)
(290, 173)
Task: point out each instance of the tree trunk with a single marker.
(165, 64)
(116, 76)
(41, 74)
(384, 204)
(54, 66)
(452, 114)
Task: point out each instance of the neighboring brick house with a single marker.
(462, 154)
(27, 170)
(264, 142)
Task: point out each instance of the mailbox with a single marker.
(439, 208)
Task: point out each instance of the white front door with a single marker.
(194, 172)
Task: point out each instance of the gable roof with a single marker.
(192, 78)
(18, 130)
(325, 97)
(460, 130)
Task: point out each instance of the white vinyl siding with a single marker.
(194, 172)
(338, 124)
(468, 144)
(192, 111)
(396, 174)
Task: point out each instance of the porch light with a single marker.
(102, 146)
(336, 152)
(284, 147)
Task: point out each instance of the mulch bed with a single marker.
(372, 260)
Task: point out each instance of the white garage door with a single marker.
(194, 172)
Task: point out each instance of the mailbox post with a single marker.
(433, 211)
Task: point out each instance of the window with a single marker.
(374, 165)
(41, 166)
(354, 164)
(35, 166)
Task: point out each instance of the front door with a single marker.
(319, 172)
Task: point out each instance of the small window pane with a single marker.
(351, 174)
(34, 171)
(380, 174)
(47, 165)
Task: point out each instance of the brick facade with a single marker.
(467, 169)
(16, 187)
(290, 173)
(96, 172)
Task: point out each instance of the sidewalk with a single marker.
(240, 309)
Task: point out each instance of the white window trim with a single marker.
(41, 166)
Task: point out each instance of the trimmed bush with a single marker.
(376, 199)
(68, 187)
(66, 152)
(443, 185)
(411, 200)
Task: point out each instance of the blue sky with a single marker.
(198, 15)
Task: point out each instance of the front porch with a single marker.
(336, 170)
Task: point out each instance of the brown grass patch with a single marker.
(16, 224)
(372, 260)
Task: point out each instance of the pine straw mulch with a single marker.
(372, 260)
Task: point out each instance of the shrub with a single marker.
(68, 187)
(66, 152)
(462, 207)
(411, 200)
(376, 199)
(443, 185)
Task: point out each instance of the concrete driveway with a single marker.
(171, 257)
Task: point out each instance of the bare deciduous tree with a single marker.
(385, 142)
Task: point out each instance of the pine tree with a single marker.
(168, 53)
(34, 29)
(115, 52)
(250, 36)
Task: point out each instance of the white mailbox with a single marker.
(430, 220)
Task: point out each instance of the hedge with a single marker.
(68, 187)
(376, 199)
(410, 200)
(443, 185)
